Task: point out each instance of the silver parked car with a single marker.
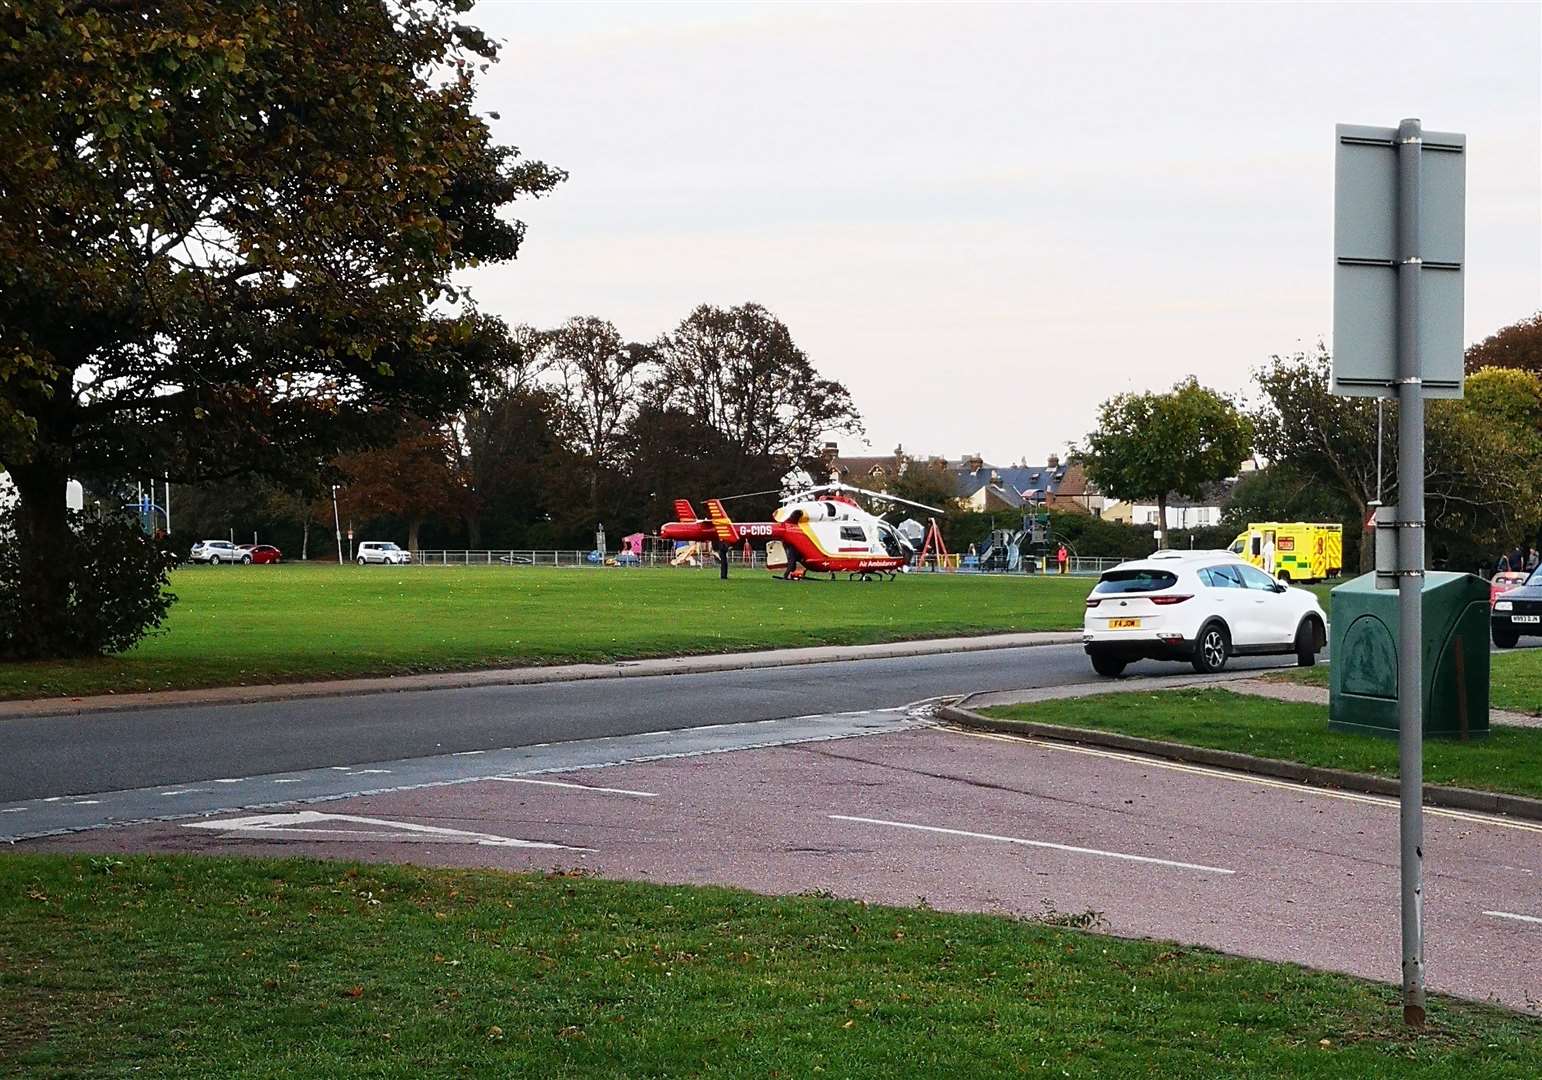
(381, 551)
(215, 552)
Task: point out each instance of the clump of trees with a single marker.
(227, 235)
(576, 425)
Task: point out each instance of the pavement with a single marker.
(879, 806)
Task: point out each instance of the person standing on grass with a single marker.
(1063, 558)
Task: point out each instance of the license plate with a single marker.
(1526, 618)
(1133, 624)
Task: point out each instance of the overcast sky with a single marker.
(986, 219)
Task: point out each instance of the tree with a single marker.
(415, 478)
(511, 458)
(1518, 345)
(1153, 446)
(1482, 464)
(224, 228)
(740, 371)
(601, 378)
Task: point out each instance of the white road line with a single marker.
(290, 780)
(232, 780)
(1037, 844)
(1513, 915)
(86, 802)
(1257, 781)
(14, 810)
(185, 791)
(261, 825)
(580, 787)
(370, 772)
(468, 753)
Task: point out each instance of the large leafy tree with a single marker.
(1483, 452)
(1154, 446)
(226, 227)
(1518, 345)
(740, 371)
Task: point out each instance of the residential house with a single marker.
(1182, 512)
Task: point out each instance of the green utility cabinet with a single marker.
(1363, 673)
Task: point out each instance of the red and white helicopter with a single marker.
(822, 529)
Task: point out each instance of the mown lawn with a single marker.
(184, 967)
(235, 625)
(1515, 680)
(1508, 760)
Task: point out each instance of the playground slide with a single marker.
(687, 555)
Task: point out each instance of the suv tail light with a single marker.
(1164, 601)
(1093, 601)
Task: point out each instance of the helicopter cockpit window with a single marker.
(853, 532)
(890, 538)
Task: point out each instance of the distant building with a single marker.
(979, 485)
(1182, 513)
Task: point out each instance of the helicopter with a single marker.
(821, 529)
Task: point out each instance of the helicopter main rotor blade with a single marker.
(876, 495)
(749, 495)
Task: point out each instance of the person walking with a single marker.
(1063, 558)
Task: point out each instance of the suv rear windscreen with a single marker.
(1134, 581)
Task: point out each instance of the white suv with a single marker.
(1199, 606)
(378, 551)
(215, 552)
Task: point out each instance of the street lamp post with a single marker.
(337, 526)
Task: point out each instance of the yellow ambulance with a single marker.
(1293, 551)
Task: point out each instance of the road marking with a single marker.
(1513, 915)
(86, 802)
(185, 791)
(262, 825)
(580, 787)
(1247, 778)
(14, 810)
(236, 780)
(370, 772)
(290, 780)
(1037, 843)
(468, 753)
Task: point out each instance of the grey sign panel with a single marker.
(1366, 260)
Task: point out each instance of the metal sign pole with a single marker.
(1410, 500)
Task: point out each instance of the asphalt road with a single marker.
(971, 822)
(80, 755)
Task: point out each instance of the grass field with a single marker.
(1515, 680)
(1509, 760)
(178, 967)
(235, 625)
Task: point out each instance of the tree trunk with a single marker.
(305, 539)
(412, 534)
(474, 531)
(44, 542)
(1162, 520)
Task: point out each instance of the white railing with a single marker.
(1078, 566)
(528, 557)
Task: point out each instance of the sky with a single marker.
(986, 219)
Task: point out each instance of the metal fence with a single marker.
(578, 559)
(1077, 566)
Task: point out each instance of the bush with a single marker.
(118, 578)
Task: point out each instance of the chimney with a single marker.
(974, 462)
(1054, 461)
(830, 452)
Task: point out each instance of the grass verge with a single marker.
(1509, 760)
(180, 967)
(1515, 680)
(245, 625)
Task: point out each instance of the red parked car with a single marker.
(263, 553)
(1504, 581)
